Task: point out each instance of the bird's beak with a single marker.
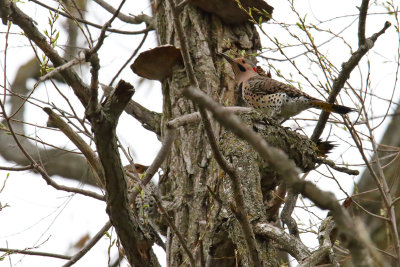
(228, 58)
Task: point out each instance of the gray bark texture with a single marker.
(196, 192)
(192, 180)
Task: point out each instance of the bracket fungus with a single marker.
(157, 63)
(230, 12)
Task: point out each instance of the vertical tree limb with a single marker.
(104, 121)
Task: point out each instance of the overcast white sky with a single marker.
(41, 215)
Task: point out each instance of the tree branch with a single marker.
(22, 168)
(86, 150)
(89, 245)
(332, 164)
(91, 23)
(362, 21)
(26, 23)
(128, 19)
(34, 253)
(286, 168)
(169, 138)
(103, 32)
(285, 241)
(150, 120)
(104, 121)
(344, 74)
(286, 214)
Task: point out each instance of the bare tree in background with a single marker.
(229, 183)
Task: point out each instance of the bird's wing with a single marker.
(261, 85)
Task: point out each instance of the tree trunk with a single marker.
(192, 180)
(190, 167)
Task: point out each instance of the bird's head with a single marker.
(242, 68)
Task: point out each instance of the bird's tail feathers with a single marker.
(324, 147)
(325, 106)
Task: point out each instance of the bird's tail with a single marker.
(325, 106)
(324, 147)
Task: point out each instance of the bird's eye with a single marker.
(244, 62)
(241, 68)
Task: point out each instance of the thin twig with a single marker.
(88, 246)
(184, 47)
(86, 150)
(104, 29)
(22, 168)
(338, 83)
(57, 70)
(91, 23)
(129, 59)
(332, 164)
(128, 19)
(9, 251)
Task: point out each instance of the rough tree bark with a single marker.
(192, 179)
(202, 203)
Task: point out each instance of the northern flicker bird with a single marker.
(276, 99)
